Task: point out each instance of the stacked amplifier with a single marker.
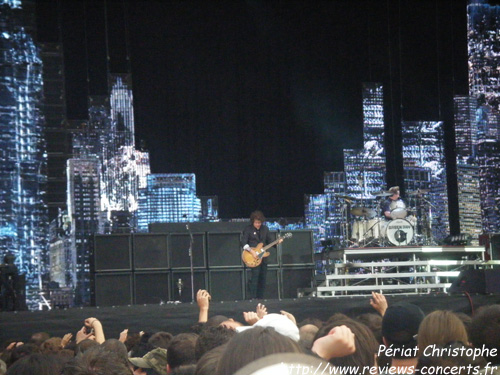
(154, 268)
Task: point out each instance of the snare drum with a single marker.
(399, 232)
(398, 209)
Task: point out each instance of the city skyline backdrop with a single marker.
(259, 100)
(252, 112)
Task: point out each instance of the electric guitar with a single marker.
(261, 251)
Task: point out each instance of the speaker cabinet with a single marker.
(182, 279)
(272, 283)
(470, 281)
(179, 250)
(112, 252)
(295, 278)
(492, 278)
(150, 251)
(113, 289)
(227, 285)
(298, 250)
(495, 247)
(224, 250)
(151, 287)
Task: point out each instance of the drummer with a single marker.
(386, 205)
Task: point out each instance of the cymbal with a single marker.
(419, 192)
(344, 197)
(363, 211)
(382, 194)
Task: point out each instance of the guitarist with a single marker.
(252, 235)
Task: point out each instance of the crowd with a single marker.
(395, 339)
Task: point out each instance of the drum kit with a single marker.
(407, 225)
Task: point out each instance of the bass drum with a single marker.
(399, 232)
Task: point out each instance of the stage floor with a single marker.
(176, 318)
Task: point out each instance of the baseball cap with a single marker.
(401, 321)
(155, 359)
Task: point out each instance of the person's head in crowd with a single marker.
(366, 344)
(314, 321)
(443, 360)
(441, 327)
(22, 351)
(66, 354)
(212, 337)
(153, 363)
(215, 321)
(231, 324)
(207, 364)
(160, 339)
(3, 367)
(181, 351)
(252, 344)
(466, 319)
(39, 337)
(116, 346)
(132, 340)
(336, 317)
(484, 330)
(96, 361)
(143, 346)
(287, 364)
(85, 345)
(374, 322)
(307, 333)
(184, 370)
(36, 363)
(51, 346)
(400, 326)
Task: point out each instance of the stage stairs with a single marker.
(396, 270)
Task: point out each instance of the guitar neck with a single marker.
(270, 245)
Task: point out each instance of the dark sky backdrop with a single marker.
(259, 98)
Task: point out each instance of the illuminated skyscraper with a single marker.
(373, 114)
(315, 216)
(365, 169)
(109, 137)
(84, 212)
(363, 175)
(23, 214)
(469, 199)
(57, 132)
(209, 208)
(423, 147)
(336, 207)
(489, 177)
(168, 198)
(483, 40)
(465, 133)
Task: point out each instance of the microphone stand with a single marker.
(191, 240)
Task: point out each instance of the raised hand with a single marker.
(251, 317)
(66, 339)
(339, 342)
(123, 335)
(378, 302)
(261, 310)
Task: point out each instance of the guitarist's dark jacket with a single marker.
(252, 237)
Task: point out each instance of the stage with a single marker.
(176, 318)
